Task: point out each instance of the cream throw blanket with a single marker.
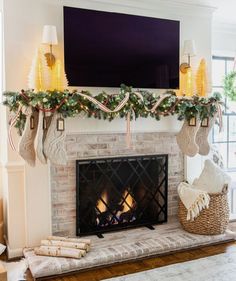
(195, 200)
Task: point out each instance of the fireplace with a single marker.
(116, 193)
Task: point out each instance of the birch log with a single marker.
(67, 239)
(65, 244)
(54, 251)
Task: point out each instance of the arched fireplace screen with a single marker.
(123, 192)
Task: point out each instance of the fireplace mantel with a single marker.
(88, 138)
(27, 191)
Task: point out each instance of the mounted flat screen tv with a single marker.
(104, 49)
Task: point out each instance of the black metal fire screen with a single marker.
(117, 193)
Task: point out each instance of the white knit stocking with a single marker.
(54, 145)
(26, 144)
(41, 136)
(202, 136)
(186, 138)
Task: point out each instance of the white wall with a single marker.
(224, 39)
(23, 36)
(23, 21)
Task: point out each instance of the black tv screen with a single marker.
(104, 49)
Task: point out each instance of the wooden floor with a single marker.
(132, 267)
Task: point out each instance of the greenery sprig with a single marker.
(229, 85)
(70, 104)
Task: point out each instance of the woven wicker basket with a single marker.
(211, 221)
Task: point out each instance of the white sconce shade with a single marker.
(189, 51)
(189, 48)
(49, 35)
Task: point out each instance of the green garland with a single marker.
(229, 85)
(70, 104)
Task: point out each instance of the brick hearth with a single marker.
(126, 245)
(88, 146)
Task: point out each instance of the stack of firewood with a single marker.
(56, 246)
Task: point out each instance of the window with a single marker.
(226, 140)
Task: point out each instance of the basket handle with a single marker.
(225, 189)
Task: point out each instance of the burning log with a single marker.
(104, 218)
(127, 216)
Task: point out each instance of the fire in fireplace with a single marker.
(124, 210)
(117, 193)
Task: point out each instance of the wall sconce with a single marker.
(190, 51)
(50, 38)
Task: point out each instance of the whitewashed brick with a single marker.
(90, 146)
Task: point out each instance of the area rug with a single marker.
(16, 270)
(123, 246)
(215, 268)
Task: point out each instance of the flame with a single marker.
(100, 205)
(129, 201)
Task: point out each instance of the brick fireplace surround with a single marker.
(88, 146)
(126, 245)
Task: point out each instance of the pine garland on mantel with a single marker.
(70, 104)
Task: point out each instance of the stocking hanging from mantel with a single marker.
(26, 144)
(54, 145)
(193, 137)
(186, 138)
(43, 125)
(203, 133)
